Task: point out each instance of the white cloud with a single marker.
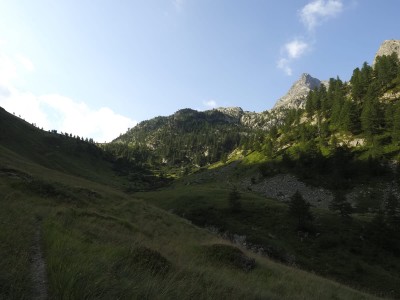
(284, 65)
(78, 118)
(25, 62)
(210, 103)
(25, 105)
(311, 15)
(56, 111)
(8, 70)
(291, 51)
(319, 10)
(296, 48)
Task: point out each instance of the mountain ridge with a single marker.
(297, 93)
(101, 231)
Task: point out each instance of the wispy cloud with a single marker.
(291, 51)
(311, 15)
(77, 117)
(25, 62)
(8, 69)
(296, 48)
(317, 11)
(210, 104)
(284, 64)
(56, 111)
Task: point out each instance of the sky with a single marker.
(97, 68)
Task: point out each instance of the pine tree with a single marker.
(396, 124)
(234, 200)
(370, 115)
(300, 209)
(356, 85)
(340, 204)
(386, 69)
(392, 212)
(349, 117)
(338, 101)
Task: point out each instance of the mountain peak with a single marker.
(297, 93)
(387, 48)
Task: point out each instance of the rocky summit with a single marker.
(387, 48)
(296, 95)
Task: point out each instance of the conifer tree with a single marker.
(396, 124)
(340, 204)
(349, 117)
(356, 85)
(300, 209)
(234, 199)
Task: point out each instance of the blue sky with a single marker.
(95, 68)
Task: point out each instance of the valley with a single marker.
(298, 202)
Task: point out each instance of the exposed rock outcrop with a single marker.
(283, 186)
(298, 92)
(387, 48)
(234, 112)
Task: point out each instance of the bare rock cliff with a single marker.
(387, 48)
(295, 98)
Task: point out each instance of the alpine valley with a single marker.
(297, 202)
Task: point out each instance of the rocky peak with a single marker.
(387, 48)
(298, 92)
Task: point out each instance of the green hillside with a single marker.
(69, 231)
(341, 148)
(223, 204)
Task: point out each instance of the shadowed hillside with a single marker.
(63, 210)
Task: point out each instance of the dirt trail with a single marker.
(38, 268)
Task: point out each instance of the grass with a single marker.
(101, 243)
(16, 230)
(337, 248)
(117, 247)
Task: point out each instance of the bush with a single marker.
(229, 256)
(234, 200)
(300, 209)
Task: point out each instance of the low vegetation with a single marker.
(100, 243)
(167, 211)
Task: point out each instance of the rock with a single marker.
(387, 48)
(295, 98)
(234, 112)
(283, 186)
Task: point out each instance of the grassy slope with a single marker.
(337, 252)
(94, 235)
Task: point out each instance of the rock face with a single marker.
(283, 186)
(235, 112)
(298, 92)
(387, 48)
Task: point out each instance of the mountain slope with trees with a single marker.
(211, 233)
(63, 200)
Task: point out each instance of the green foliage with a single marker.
(300, 210)
(349, 117)
(235, 204)
(187, 138)
(392, 212)
(370, 115)
(396, 123)
(387, 68)
(340, 204)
